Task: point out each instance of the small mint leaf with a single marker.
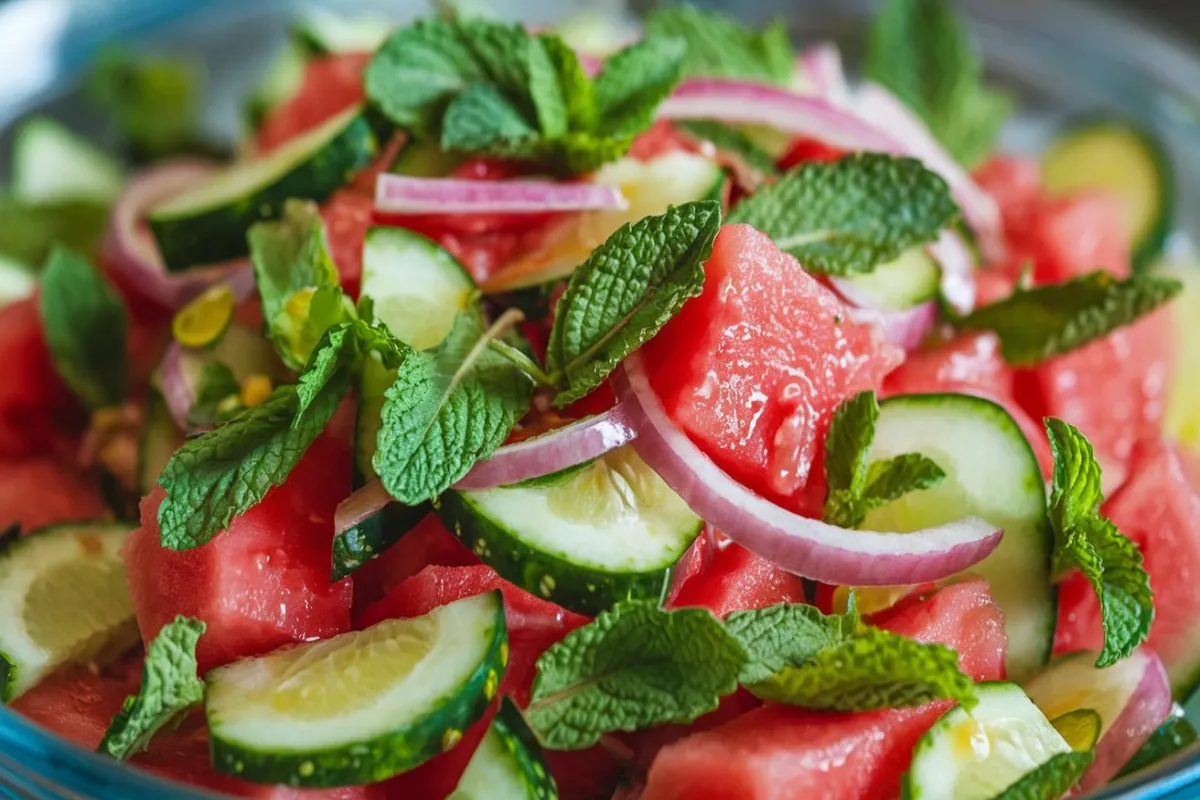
(718, 46)
(634, 81)
(789, 634)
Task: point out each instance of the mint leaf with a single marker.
(1089, 542)
(297, 280)
(339, 356)
(28, 233)
(481, 119)
(854, 487)
(1051, 780)
(169, 690)
(719, 46)
(732, 141)
(624, 293)
(575, 85)
(1046, 321)
(447, 410)
(634, 81)
(922, 52)
(217, 388)
(872, 670)
(84, 324)
(788, 634)
(635, 667)
(221, 474)
(852, 215)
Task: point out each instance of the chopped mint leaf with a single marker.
(1046, 321)
(871, 670)
(486, 87)
(636, 666)
(217, 385)
(1089, 542)
(170, 688)
(447, 410)
(1050, 780)
(339, 355)
(854, 486)
(718, 46)
(852, 215)
(84, 323)
(788, 634)
(29, 232)
(1170, 737)
(922, 52)
(624, 293)
(732, 141)
(8, 679)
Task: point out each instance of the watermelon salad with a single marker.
(524, 414)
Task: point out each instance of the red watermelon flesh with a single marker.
(347, 215)
(754, 367)
(785, 753)
(38, 491)
(1160, 512)
(261, 584)
(1015, 184)
(735, 579)
(331, 85)
(969, 360)
(428, 544)
(78, 704)
(1076, 235)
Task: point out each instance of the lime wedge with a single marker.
(63, 600)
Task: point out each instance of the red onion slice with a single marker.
(906, 328)
(822, 63)
(958, 271)
(362, 504)
(551, 452)
(130, 248)
(804, 546)
(178, 385)
(401, 194)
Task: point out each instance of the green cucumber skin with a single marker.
(219, 234)
(383, 757)
(369, 539)
(524, 756)
(582, 589)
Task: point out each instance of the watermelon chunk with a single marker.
(331, 84)
(1015, 184)
(261, 584)
(754, 367)
(347, 215)
(785, 753)
(1079, 234)
(734, 579)
(970, 360)
(38, 491)
(1160, 512)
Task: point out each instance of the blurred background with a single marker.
(1184, 15)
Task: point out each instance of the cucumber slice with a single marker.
(208, 224)
(17, 281)
(354, 547)
(63, 600)
(611, 533)
(910, 280)
(991, 473)
(51, 163)
(508, 764)
(362, 706)
(160, 439)
(978, 754)
(651, 187)
(321, 32)
(1115, 155)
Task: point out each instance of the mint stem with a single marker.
(524, 363)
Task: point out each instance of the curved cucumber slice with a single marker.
(1115, 155)
(354, 547)
(160, 439)
(208, 224)
(910, 280)
(360, 707)
(51, 163)
(63, 600)
(508, 764)
(991, 473)
(613, 532)
(975, 755)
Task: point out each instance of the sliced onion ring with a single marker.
(822, 63)
(958, 271)
(362, 504)
(130, 248)
(552, 452)
(906, 328)
(401, 194)
(804, 546)
(178, 388)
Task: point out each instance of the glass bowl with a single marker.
(1063, 57)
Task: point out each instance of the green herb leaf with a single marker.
(719, 46)
(575, 85)
(636, 666)
(848, 444)
(1092, 544)
(447, 410)
(874, 669)
(169, 690)
(1051, 780)
(732, 141)
(481, 119)
(785, 635)
(634, 81)
(624, 293)
(921, 50)
(28, 233)
(892, 479)
(297, 280)
(217, 386)
(1046, 321)
(339, 355)
(84, 323)
(852, 215)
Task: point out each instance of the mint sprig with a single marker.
(635, 667)
(922, 52)
(84, 324)
(1087, 541)
(785, 635)
(852, 215)
(718, 46)
(1046, 321)
(486, 87)
(1050, 780)
(855, 486)
(170, 688)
